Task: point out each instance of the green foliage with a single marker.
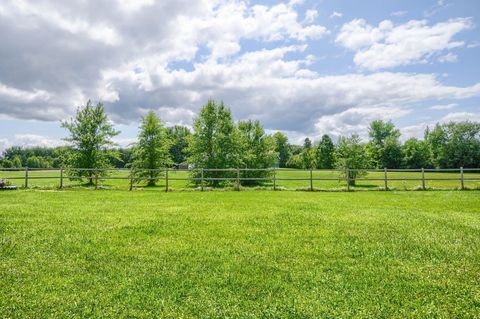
(37, 162)
(179, 136)
(454, 145)
(124, 159)
(437, 141)
(325, 153)
(295, 161)
(258, 150)
(384, 149)
(6, 163)
(416, 154)
(91, 136)
(17, 162)
(391, 153)
(308, 155)
(351, 154)
(152, 152)
(215, 142)
(282, 148)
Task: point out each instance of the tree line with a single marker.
(217, 141)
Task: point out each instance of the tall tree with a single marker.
(215, 142)
(436, 140)
(17, 161)
(454, 145)
(325, 153)
(258, 150)
(463, 147)
(416, 154)
(151, 153)
(282, 149)
(308, 154)
(91, 136)
(179, 138)
(391, 153)
(384, 145)
(350, 154)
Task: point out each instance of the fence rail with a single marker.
(345, 175)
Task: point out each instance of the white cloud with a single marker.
(439, 5)
(448, 58)
(29, 140)
(310, 15)
(284, 94)
(443, 106)
(124, 142)
(460, 116)
(399, 13)
(388, 46)
(171, 56)
(336, 14)
(47, 14)
(418, 130)
(12, 94)
(356, 120)
(474, 44)
(135, 5)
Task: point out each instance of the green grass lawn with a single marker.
(286, 180)
(114, 253)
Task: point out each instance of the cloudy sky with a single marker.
(303, 67)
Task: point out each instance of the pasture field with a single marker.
(115, 254)
(286, 179)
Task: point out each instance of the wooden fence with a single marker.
(197, 175)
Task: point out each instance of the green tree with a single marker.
(295, 161)
(17, 161)
(384, 145)
(215, 142)
(152, 152)
(282, 149)
(308, 154)
(325, 153)
(350, 154)
(454, 145)
(91, 136)
(6, 163)
(179, 137)
(391, 153)
(463, 147)
(258, 150)
(416, 154)
(34, 162)
(436, 140)
(15, 151)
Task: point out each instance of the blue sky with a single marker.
(303, 67)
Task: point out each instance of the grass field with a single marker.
(402, 180)
(114, 254)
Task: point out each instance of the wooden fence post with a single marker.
(26, 177)
(386, 179)
(347, 177)
(61, 177)
(311, 180)
(423, 179)
(238, 179)
(96, 178)
(131, 179)
(166, 179)
(201, 181)
(274, 179)
(462, 185)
